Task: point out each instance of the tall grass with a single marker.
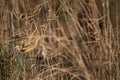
(58, 40)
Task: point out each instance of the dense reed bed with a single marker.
(58, 40)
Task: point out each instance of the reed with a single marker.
(58, 40)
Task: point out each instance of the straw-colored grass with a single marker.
(58, 40)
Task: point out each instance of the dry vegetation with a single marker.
(58, 40)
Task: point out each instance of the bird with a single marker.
(29, 44)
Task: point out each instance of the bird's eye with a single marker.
(22, 50)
